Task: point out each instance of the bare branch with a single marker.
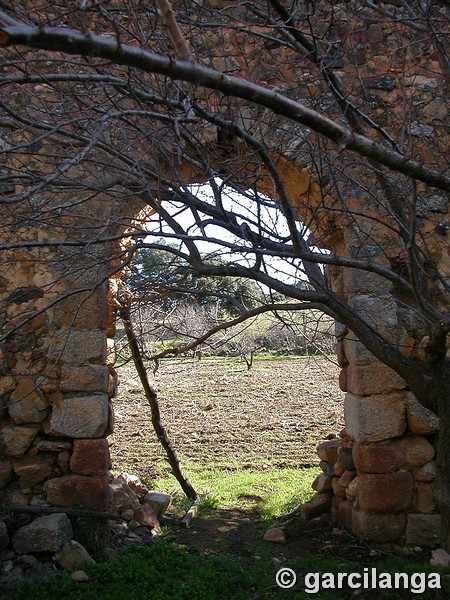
(71, 41)
(175, 33)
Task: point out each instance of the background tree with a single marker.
(166, 276)
(319, 127)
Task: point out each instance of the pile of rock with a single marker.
(140, 510)
(48, 543)
(43, 545)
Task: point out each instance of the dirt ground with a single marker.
(219, 412)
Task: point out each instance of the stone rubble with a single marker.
(440, 558)
(49, 542)
(275, 535)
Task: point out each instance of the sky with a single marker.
(238, 204)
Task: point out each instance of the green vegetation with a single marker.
(169, 571)
(269, 492)
(164, 571)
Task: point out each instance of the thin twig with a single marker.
(150, 394)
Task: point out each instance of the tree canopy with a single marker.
(320, 128)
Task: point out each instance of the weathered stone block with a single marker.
(6, 471)
(377, 459)
(379, 312)
(276, 535)
(80, 417)
(355, 352)
(440, 558)
(375, 418)
(93, 378)
(123, 497)
(345, 459)
(109, 430)
(27, 403)
(345, 514)
(343, 384)
(385, 493)
(322, 483)
(73, 556)
(358, 281)
(344, 481)
(79, 491)
(426, 472)
(328, 450)
(113, 383)
(79, 347)
(91, 314)
(321, 503)
(146, 516)
(351, 493)
(45, 534)
(16, 439)
(340, 355)
(423, 498)
(416, 449)
(423, 530)
(378, 527)
(327, 468)
(338, 470)
(420, 420)
(90, 457)
(375, 378)
(158, 501)
(34, 469)
(63, 461)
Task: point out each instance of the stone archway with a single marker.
(56, 384)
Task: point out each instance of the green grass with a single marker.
(279, 490)
(164, 571)
(160, 571)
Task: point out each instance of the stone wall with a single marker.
(56, 363)
(56, 387)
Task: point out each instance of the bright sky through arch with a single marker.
(251, 209)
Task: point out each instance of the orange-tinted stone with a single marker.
(385, 493)
(377, 459)
(90, 457)
(78, 491)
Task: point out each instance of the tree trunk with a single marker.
(151, 396)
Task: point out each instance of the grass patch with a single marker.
(160, 571)
(269, 492)
(164, 571)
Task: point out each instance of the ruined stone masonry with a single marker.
(57, 378)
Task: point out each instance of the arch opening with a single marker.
(83, 157)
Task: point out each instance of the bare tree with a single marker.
(319, 128)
